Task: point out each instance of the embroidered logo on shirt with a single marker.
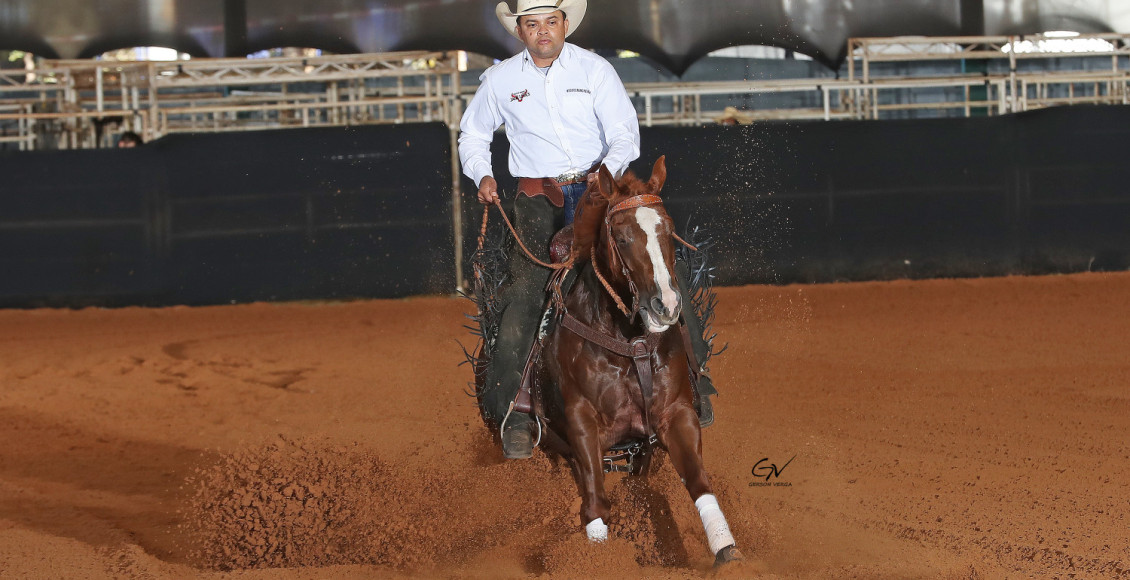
(519, 96)
(578, 91)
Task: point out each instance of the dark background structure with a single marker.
(671, 33)
(366, 211)
(216, 218)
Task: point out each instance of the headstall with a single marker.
(614, 251)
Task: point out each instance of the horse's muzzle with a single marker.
(657, 316)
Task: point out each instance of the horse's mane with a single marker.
(592, 206)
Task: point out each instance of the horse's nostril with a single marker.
(657, 305)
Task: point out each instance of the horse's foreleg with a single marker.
(683, 440)
(584, 438)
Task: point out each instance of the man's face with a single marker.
(543, 35)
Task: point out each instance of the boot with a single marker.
(517, 442)
(705, 412)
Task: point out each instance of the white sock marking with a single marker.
(717, 530)
(596, 530)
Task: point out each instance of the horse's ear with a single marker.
(658, 175)
(605, 183)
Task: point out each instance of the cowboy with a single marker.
(566, 112)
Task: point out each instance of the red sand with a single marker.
(941, 429)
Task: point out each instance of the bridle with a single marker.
(614, 254)
(614, 251)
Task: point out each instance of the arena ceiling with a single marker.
(673, 33)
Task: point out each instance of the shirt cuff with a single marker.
(477, 173)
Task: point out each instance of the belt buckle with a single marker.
(570, 177)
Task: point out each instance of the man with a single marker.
(566, 112)
(129, 140)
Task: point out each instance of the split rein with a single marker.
(566, 265)
(561, 268)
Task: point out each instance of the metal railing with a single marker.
(1013, 89)
(66, 103)
(69, 101)
(865, 95)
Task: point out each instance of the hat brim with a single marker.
(574, 12)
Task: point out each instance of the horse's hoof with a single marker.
(726, 555)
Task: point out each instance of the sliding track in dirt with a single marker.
(937, 429)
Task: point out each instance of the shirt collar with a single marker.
(563, 59)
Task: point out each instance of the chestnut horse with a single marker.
(624, 230)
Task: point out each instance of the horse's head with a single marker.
(638, 246)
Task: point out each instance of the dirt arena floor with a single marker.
(954, 429)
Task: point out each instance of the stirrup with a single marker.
(624, 457)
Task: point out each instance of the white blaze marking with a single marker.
(649, 221)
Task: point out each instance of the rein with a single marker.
(630, 203)
(566, 265)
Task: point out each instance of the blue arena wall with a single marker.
(366, 212)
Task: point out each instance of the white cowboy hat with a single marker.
(574, 11)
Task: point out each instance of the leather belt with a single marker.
(550, 187)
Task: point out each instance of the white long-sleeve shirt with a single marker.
(576, 115)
